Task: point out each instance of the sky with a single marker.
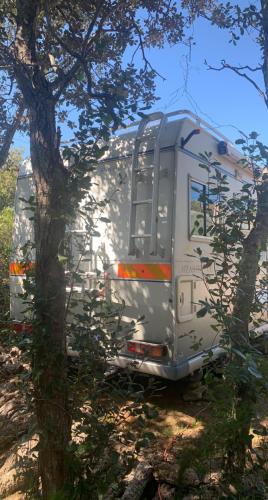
(225, 100)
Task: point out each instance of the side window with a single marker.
(197, 208)
(200, 210)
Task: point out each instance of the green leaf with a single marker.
(261, 432)
(239, 353)
(206, 262)
(62, 259)
(105, 219)
(202, 312)
(253, 135)
(255, 373)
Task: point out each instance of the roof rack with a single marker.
(199, 121)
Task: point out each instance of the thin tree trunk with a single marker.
(49, 351)
(249, 268)
(244, 299)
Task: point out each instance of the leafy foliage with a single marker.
(56, 57)
(236, 281)
(8, 176)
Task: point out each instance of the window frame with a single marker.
(196, 237)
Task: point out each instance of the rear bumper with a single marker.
(168, 371)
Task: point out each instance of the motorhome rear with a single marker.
(152, 177)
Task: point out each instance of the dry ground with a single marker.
(180, 431)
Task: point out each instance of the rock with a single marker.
(136, 481)
(15, 419)
(14, 414)
(16, 496)
(196, 376)
(15, 351)
(232, 489)
(167, 472)
(212, 478)
(9, 433)
(190, 477)
(13, 368)
(3, 358)
(196, 394)
(12, 479)
(165, 492)
(194, 385)
(191, 497)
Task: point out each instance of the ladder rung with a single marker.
(142, 169)
(142, 202)
(141, 235)
(76, 231)
(149, 132)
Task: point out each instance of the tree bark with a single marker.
(239, 335)
(249, 267)
(49, 334)
(49, 349)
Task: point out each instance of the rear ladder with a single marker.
(136, 169)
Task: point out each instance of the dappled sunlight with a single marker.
(159, 287)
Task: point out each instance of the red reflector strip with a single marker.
(157, 271)
(21, 327)
(19, 269)
(136, 347)
(147, 349)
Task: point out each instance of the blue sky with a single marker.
(221, 98)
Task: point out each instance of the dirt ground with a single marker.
(179, 429)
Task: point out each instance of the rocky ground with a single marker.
(15, 423)
(165, 470)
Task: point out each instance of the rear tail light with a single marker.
(21, 327)
(147, 349)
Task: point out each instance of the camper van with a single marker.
(151, 174)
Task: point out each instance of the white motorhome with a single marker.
(152, 175)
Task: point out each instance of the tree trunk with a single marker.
(49, 349)
(244, 299)
(249, 268)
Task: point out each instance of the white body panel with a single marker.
(168, 303)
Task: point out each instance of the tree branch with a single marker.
(6, 141)
(141, 46)
(264, 23)
(237, 70)
(64, 78)
(54, 34)
(92, 24)
(257, 68)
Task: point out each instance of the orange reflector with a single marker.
(157, 271)
(147, 349)
(19, 269)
